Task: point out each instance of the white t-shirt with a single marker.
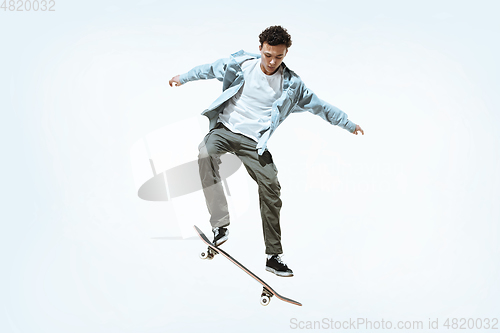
(249, 111)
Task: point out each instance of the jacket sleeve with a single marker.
(215, 70)
(309, 101)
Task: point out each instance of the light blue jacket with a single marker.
(296, 97)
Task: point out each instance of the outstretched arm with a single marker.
(214, 70)
(309, 101)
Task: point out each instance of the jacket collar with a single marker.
(241, 56)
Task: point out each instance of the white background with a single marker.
(398, 224)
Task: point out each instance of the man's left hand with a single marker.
(358, 129)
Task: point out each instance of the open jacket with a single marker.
(296, 97)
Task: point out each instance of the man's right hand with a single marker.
(175, 82)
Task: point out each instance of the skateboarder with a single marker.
(259, 92)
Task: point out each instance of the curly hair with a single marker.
(275, 35)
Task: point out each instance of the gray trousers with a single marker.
(261, 168)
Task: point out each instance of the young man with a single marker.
(259, 92)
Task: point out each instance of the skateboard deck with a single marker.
(267, 291)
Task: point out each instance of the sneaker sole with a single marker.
(284, 274)
(221, 241)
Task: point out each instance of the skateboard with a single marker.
(267, 291)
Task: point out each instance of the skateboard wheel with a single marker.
(203, 255)
(264, 300)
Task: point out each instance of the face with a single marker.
(272, 56)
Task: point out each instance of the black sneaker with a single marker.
(278, 267)
(220, 235)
